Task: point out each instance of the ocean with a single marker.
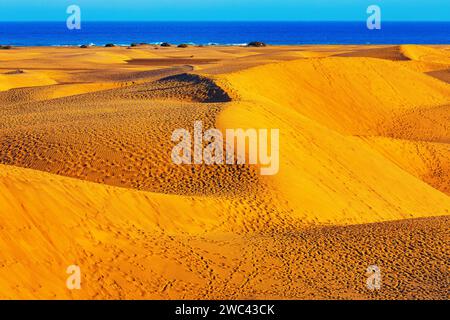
(223, 33)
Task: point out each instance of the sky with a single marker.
(224, 10)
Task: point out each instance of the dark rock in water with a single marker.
(110, 45)
(183, 45)
(18, 71)
(84, 46)
(136, 44)
(256, 44)
(165, 44)
(5, 47)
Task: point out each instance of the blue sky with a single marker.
(140, 10)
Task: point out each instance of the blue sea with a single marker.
(223, 33)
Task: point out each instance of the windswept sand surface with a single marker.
(86, 176)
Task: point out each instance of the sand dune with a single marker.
(433, 61)
(426, 160)
(86, 176)
(328, 100)
(443, 75)
(138, 245)
(352, 96)
(13, 79)
(426, 53)
(49, 92)
(389, 53)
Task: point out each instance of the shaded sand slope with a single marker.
(137, 245)
(382, 52)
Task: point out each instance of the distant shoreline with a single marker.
(223, 33)
(174, 45)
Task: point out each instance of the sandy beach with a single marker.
(86, 176)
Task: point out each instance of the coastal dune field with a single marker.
(86, 176)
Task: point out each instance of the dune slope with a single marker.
(328, 173)
(138, 245)
(86, 176)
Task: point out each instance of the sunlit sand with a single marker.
(86, 176)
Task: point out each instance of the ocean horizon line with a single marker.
(55, 33)
(228, 21)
